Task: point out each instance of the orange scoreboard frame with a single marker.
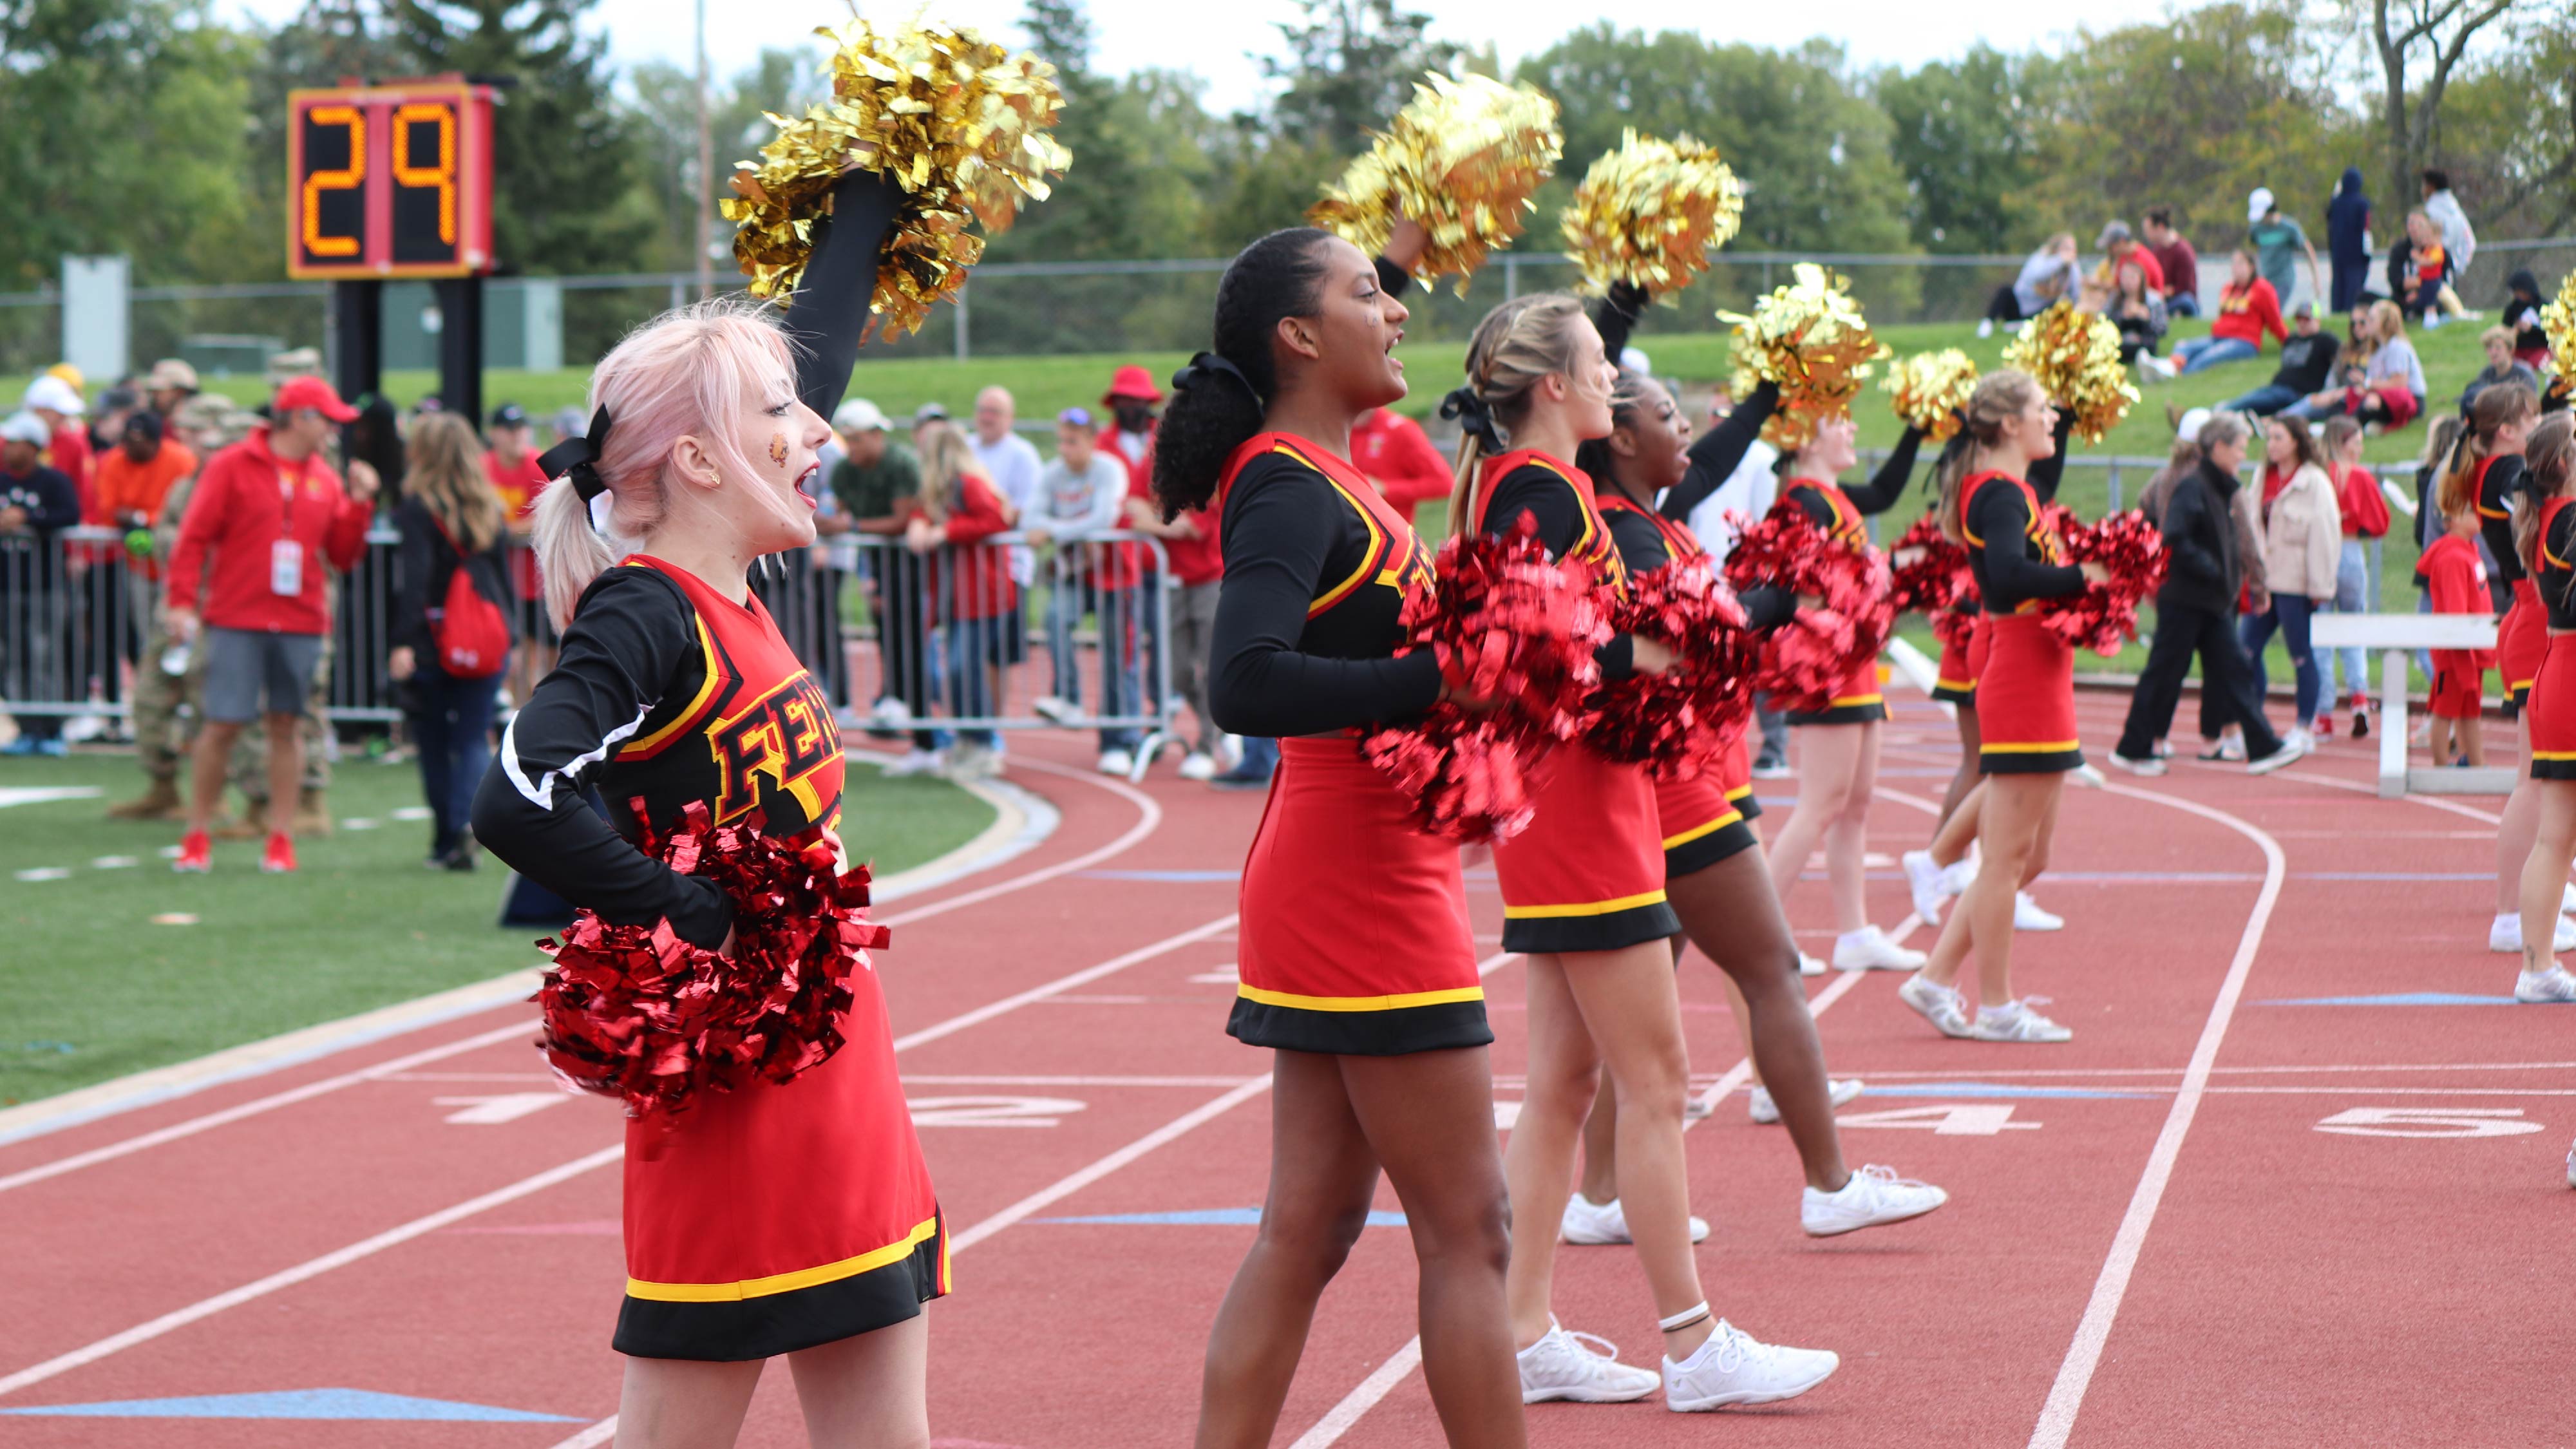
(389, 181)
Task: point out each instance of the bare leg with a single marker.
(2544, 872)
(1538, 1160)
(1732, 916)
(1959, 830)
(1847, 837)
(2017, 813)
(2469, 734)
(676, 1403)
(285, 771)
(1828, 757)
(869, 1391)
(1965, 778)
(2520, 822)
(206, 773)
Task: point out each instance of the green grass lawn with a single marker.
(97, 988)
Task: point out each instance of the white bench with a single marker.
(2399, 635)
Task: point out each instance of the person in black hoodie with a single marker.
(2196, 613)
(2348, 238)
(450, 519)
(2307, 368)
(36, 502)
(2522, 305)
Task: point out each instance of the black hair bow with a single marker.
(578, 458)
(1474, 416)
(1205, 365)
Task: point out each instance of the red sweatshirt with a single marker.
(1392, 450)
(2365, 508)
(2458, 581)
(2247, 313)
(980, 576)
(246, 503)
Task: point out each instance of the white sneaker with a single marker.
(2303, 738)
(2290, 753)
(2567, 899)
(1198, 765)
(1731, 1368)
(2027, 915)
(1597, 1224)
(917, 762)
(1937, 1004)
(889, 713)
(1868, 949)
(1985, 327)
(2015, 1021)
(1809, 965)
(968, 761)
(1927, 881)
(2571, 1164)
(1874, 1195)
(2505, 936)
(2545, 988)
(1766, 1111)
(1560, 1366)
(2150, 766)
(1055, 707)
(1115, 762)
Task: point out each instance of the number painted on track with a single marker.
(2428, 1122)
(493, 1111)
(1962, 1120)
(992, 1111)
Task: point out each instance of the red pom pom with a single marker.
(1512, 628)
(2105, 616)
(636, 1013)
(1929, 573)
(1675, 722)
(1806, 659)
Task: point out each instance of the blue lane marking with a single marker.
(1209, 1217)
(1169, 877)
(1990, 1089)
(2402, 998)
(297, 1404)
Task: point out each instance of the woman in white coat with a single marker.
(2302, 547)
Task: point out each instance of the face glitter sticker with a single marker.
(778, 449)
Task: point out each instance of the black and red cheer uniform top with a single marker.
(2016, 557)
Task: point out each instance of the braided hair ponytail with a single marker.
(1220, 400)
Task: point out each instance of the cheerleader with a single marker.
(2025, 698)
(1357, 964)
(2487, 464)
(792, 1219)
(2545, 531)
(1584, 900)
(1713, 870)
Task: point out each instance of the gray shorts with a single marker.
(241, 664)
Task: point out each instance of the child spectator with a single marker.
(2503, 366)
(2419, 270)
(2522, 314)
(2451, 571)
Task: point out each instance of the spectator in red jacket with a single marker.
(1198, 570)
(2248, 311)
(267, 517)
(969, 582)
(1392, 450)
(58, 404)
(2365, 517)
(2172, 251)
(1129, 437)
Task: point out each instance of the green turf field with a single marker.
(97, 988)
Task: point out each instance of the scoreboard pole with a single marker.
(460, 347)
(358, 336)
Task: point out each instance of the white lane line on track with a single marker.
(1149, 818)
(1061, 984)
(310, 1268)
(2093, 1331)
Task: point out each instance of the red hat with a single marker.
(299, 393)
(1135, 382)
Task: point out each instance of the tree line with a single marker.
(156, 127)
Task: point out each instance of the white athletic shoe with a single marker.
(2302, 737)
(2545, 988)
(2567, 899)
(1985, 327)
(1928, 882)
(1561, 1366)
(1937, 1004)
(2290, 753)
(1198, 765)
(1874, 1195)
(968, 761)
(2505, 936)
(889, 713)
(2571, 1164)
(1597, 1224)
(1868, 949)
(2027, 915)
(1766, 1111)
(2015, 1021)
(2150, 766)
(1809, 965)
(1115, 762)
(1732, 1368)
(916, 762)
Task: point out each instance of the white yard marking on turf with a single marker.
(45, 873)
(360, 823)
(412, 812)
(174, 918)
(114, 862)
(493, 1111)
(46, 794)
(2084, 1355)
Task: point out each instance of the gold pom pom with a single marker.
(1461, 160)
(958, 122)
(1810, 338)
(2558, 324)
(2075, 356)
(1929, 389)
(1650, 212)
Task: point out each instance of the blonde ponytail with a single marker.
(1518, 343)
(2000, 396)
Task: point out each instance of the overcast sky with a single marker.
(1214, 42)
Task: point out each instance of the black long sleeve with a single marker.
(2505, 479)
(1717, 453)
(2045, 473)
(829, 313)
(1768, 606)
(1278, 537)
(2190, 559)
(2007, 575)
(630, 641)
(417, 567)
(1615, 316)
(1887, 485)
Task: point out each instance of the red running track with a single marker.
(2191, 1225)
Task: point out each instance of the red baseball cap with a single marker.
(298, 393)
(1135, 382)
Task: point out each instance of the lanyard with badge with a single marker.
(286, 556)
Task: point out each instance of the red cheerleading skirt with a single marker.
(1734, 769)
(774, 1218)
(1955, 678)
(1588, 873)
(1354, 939)
(2553, 710)
(2521, 640)
(1857, 700)
(2026, 700)
(1699, 824)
